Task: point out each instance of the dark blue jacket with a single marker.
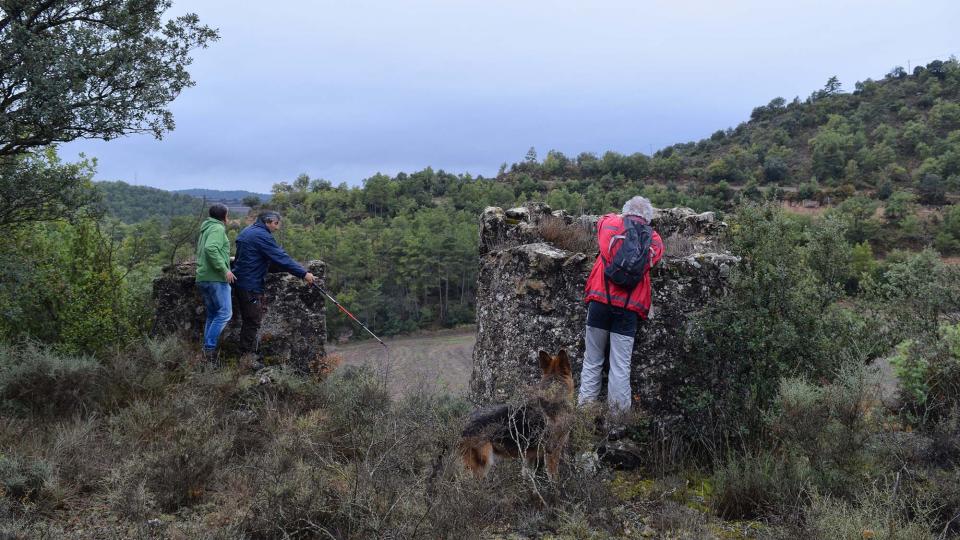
(256, 252)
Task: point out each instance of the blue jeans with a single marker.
(216, 298)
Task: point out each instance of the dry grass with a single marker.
(223, 454)
(440, 360)
(575, 237)
(678, 245)
(164, 449)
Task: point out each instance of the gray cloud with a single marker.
(343, 90)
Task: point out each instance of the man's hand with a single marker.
(230, 277)
(309, 278)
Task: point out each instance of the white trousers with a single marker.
(618, 381)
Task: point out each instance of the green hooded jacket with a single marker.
(213, 251)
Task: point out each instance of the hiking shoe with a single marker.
(211, 358)
(252, 362)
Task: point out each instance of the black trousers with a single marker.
(251, 314)
(612, 319)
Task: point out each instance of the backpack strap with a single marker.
(606, 283)
(627, 222)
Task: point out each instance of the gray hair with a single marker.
(269, 216)
(639, 206)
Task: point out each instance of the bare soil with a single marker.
(438, 361)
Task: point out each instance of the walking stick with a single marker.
(343, 309)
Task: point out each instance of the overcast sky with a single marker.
(342, 90)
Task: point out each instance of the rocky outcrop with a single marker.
(530, 297)
(294, 323)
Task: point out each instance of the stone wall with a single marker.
(294, 323)
(530, 297)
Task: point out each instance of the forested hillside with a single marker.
(883, 159)
(237, 195)
(899, 132)
(133, 204)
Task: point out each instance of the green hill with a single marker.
(899, 132)
(133, 204)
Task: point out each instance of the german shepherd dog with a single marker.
(536, 428)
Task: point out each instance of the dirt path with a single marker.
(438, 361)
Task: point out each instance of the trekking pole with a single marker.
(343, 309)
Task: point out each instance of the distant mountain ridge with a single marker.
(222, 195)
(134, 204)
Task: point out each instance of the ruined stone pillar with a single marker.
(294, 323)
(530, 297)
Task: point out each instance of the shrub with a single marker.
(939, 491)
(78, 452)
(829, 426)
(294, 499)
(759, 484)
(23, 479)
(143, 370)
(37, 380)
(928, 369)
(179, 444)
(680, 520)
(878, 514)
(774, 322)
(178, 471)
(914, 291)
(127, 493)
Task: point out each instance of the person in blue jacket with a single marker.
(257, 253)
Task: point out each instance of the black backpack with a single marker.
(632, 260)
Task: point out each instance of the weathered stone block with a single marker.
(294, 325)
(530, 297)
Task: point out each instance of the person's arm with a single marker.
(605, 229)
(656, 249)
(279, 258)
(214, 251)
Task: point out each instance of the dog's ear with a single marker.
(545, 361)
(564, 364)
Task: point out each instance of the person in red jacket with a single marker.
(612, 313)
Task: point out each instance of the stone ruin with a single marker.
(294, 325)
(530, 297)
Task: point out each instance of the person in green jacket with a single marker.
(214, 277)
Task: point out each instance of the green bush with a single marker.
(829, 427)
(758, 484)
(911, 293)
(62, 283)
(928, 369)
(776, 321)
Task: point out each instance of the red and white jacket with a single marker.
(609, 226)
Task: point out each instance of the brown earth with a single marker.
(437, 362)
